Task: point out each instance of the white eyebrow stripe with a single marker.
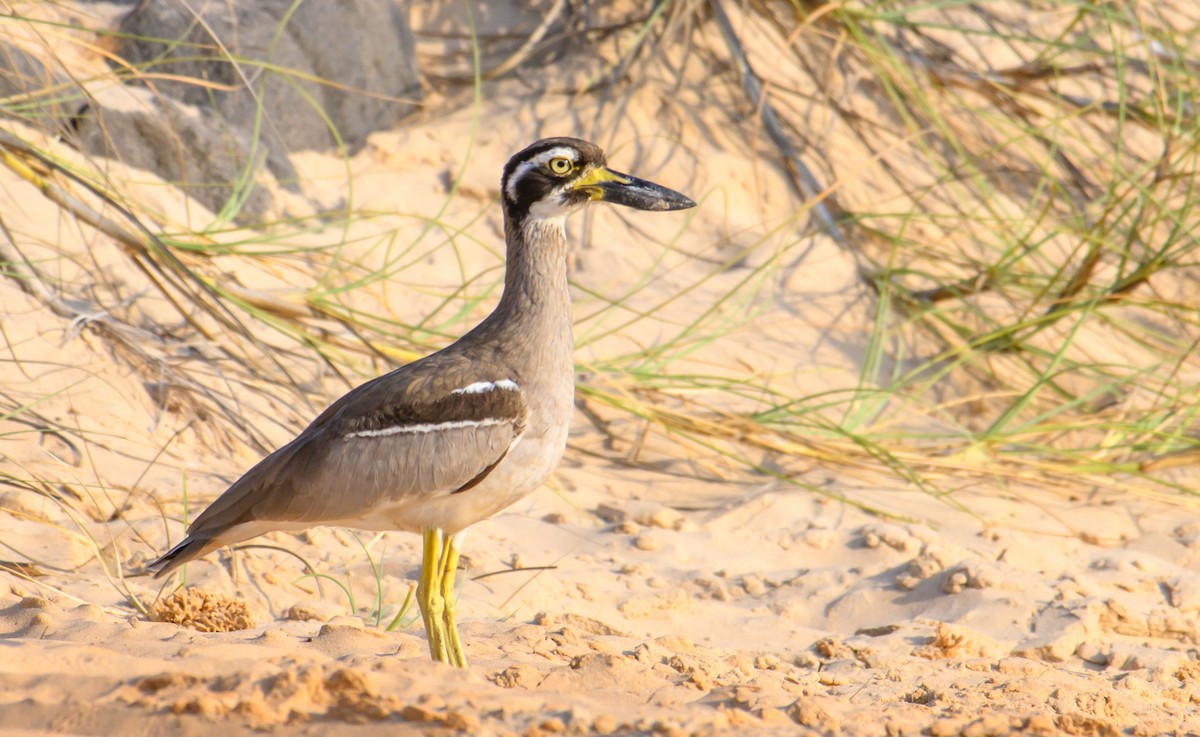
(558, 152)
(479, 387)
(425, 427)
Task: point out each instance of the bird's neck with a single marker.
(533, 317)
(535, 278)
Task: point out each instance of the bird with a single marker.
(450, 439)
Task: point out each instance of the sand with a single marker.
(646, 589)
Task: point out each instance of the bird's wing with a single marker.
(426, 429)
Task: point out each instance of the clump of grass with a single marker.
(1025, 218)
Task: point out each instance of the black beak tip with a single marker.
(643, 195)
(676, 201)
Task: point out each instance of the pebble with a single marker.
(646, 542)
(666, 518)
(605, 724)
(754, 584)
(628, 527)
(1094, 653)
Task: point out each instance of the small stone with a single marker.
(754, 584)
(906, 582)
(646, 542)
(605, 724)
(955, 582)
(299, 613)
(1095, 653)
(721, 592)
(666, 518)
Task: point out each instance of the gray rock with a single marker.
(362, 51)
(270, 77)
(34, 94)
(188, 145)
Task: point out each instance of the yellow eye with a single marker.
(561, 165)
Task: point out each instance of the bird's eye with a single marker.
(561, 165)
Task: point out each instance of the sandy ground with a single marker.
(627, 597)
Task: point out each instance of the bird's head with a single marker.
(554, 177)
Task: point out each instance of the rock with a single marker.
(188, 146)
(1095, 652)
(665, 518)
(647, 542)
(351, 62)
(307, 76)
(23, 77)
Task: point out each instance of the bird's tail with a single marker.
(190, 549)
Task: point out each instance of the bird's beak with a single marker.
(605, 185)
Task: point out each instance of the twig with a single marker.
(809, 188)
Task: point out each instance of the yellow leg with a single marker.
(449, 567)
(429, 594)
